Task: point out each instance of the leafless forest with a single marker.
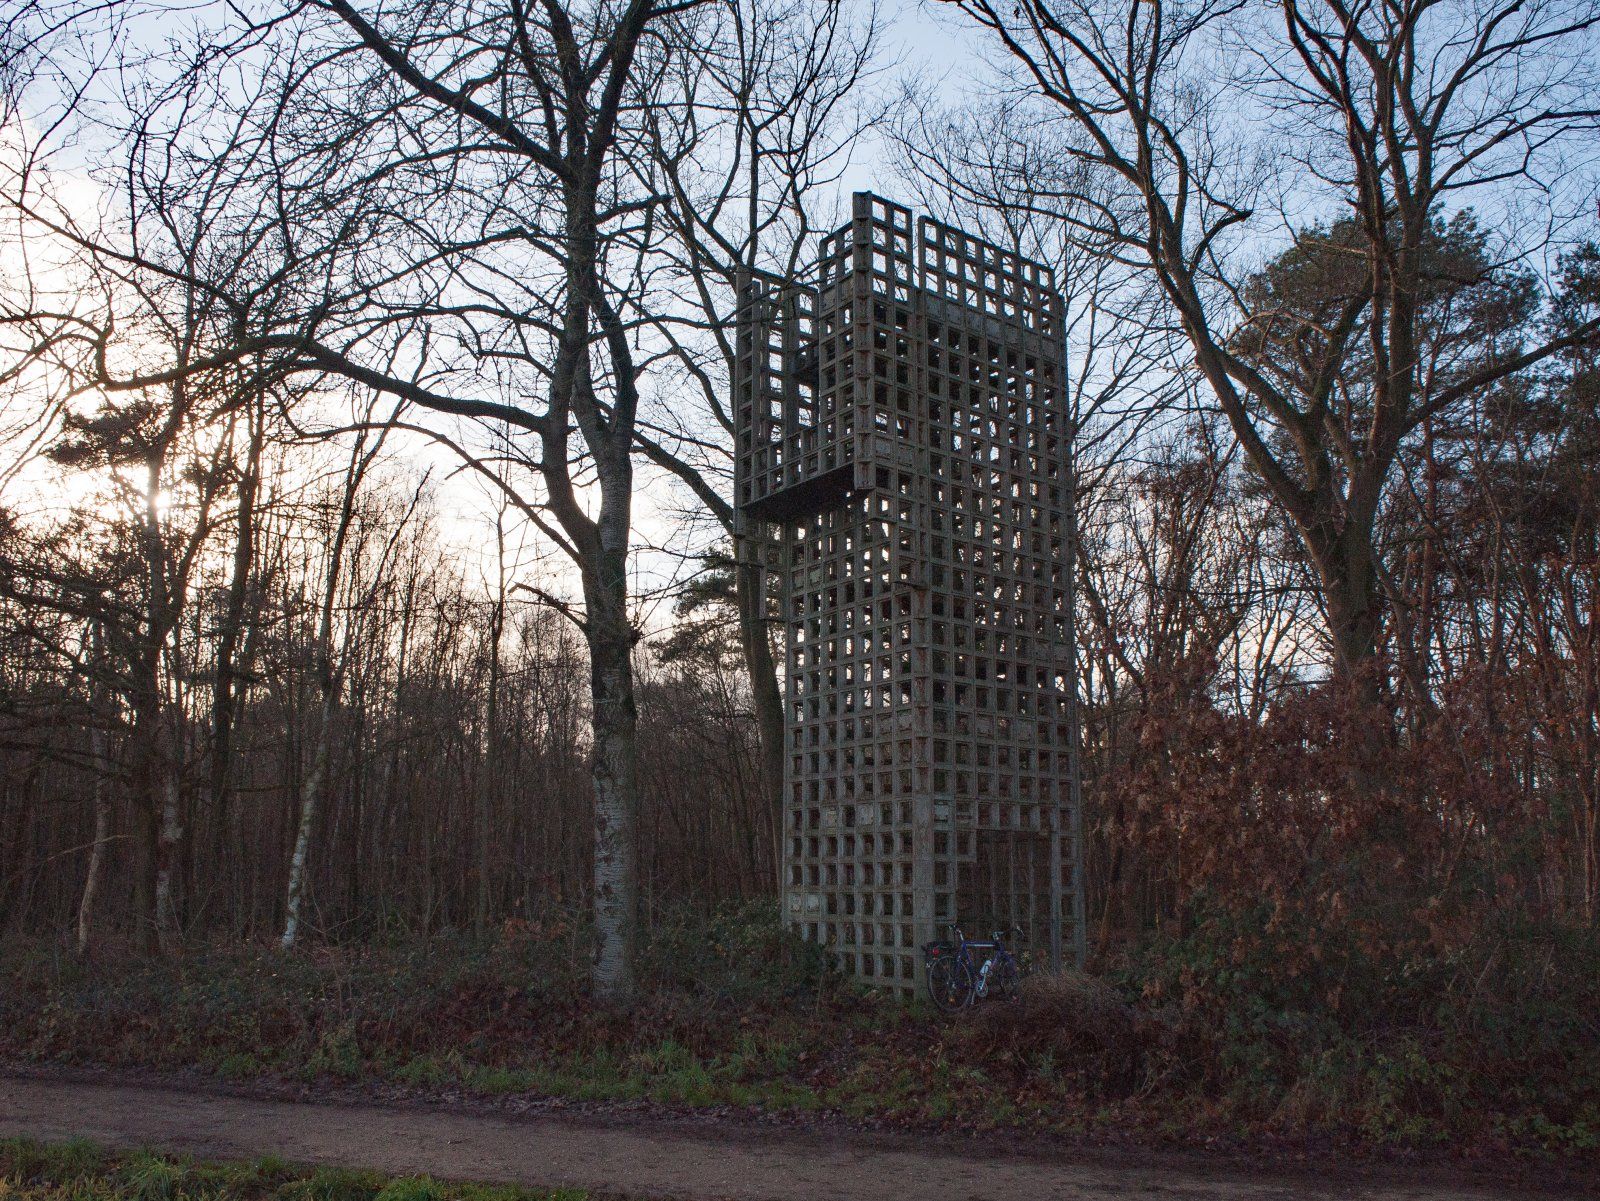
(365, 556)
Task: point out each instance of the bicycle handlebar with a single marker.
(996, 937)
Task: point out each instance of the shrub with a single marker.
(740, 952)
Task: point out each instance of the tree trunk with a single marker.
(102, 834)
(330, 683)
(159, 787)
(489, 773)
(146, 822)
(223, 695)
(310, 795)
(169, 839)
(766, 695)
(1354, 609)
(616, 802)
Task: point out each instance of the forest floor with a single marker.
(634, 1151)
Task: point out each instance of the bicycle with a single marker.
(956, 979)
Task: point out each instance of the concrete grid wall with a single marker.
(902, 470)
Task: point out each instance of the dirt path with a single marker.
(633, 1158)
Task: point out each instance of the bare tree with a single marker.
(1391, 113)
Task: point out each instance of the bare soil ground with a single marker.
(638, 1154)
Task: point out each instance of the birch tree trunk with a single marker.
(330, 676)
(310, 795)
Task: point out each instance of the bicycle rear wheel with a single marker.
(950, 983)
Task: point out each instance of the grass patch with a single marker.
(79, 1171)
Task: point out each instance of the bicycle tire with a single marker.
(950, 984)
(1005, 980)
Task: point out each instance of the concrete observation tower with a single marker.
(902, 473)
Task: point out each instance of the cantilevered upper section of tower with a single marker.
(817, 413)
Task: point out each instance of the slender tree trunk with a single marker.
(330, 682)
(102, 834)
(490, 775)
(310, 796)
(146, 821)
(159, 791)
(169, 841)
(229, 636)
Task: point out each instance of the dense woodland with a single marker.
(356, 360)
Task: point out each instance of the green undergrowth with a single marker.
(78, 1171)
(1181, 1042)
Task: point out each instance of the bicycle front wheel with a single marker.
(1005, 980)
(950, 984)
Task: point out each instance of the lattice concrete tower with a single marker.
(902, 471)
